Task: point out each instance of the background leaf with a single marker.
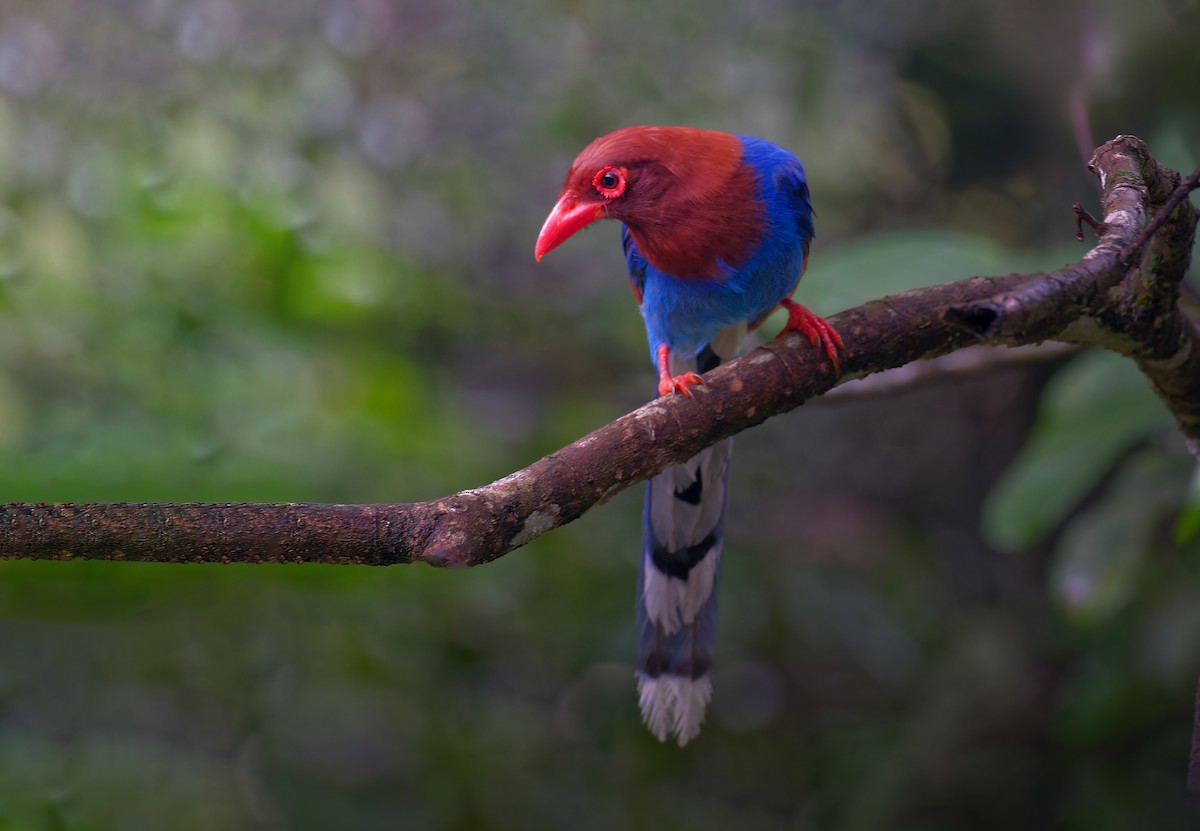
(1094, 410)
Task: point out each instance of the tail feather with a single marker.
(672, 704)
(677, 604)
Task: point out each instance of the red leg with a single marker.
(668, 383)
(816, 329)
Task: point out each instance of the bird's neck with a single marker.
(704, 243)
(706, 223)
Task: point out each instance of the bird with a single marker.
(716, 230)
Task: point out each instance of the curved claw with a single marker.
(816, 331)
(668, 383)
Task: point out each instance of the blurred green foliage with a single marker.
(264, 251)
(1091, 414)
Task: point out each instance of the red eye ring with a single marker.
(609, 182)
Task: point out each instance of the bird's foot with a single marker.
(668, 383)
(815, 329)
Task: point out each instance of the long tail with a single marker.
(681, 553)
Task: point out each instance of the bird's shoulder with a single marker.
(784, 180)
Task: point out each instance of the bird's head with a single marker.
(646, 177)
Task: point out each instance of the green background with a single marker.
(283, 251)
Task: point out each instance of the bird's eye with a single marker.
(610, 182)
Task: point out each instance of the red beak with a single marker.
(567, 217)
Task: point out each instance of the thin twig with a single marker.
(1082, 216)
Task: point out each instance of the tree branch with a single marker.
(1122, 294)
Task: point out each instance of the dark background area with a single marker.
(283, 251)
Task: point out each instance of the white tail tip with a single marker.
(674, 704)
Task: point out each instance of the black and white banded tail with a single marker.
(684, 529)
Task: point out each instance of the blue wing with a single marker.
(784, 255)
(790, 182)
